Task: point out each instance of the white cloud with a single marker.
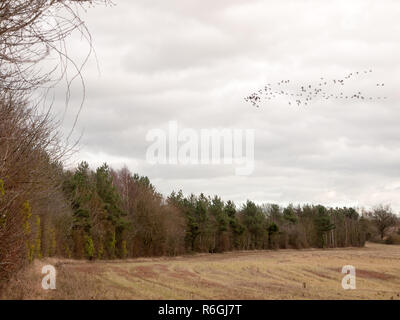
(194, 61)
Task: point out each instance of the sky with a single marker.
(194, 61)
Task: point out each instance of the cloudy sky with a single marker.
(193, 62)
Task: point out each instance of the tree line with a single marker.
(108, 214)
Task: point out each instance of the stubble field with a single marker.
(283, 274)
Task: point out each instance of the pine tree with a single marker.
(112, 206)
(323, 225)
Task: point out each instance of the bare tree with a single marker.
(30, 30)
(30, 148)
(384, 218)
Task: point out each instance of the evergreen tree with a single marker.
(323, 225)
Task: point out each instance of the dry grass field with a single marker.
(284, 274)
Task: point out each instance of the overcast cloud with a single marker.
(194, 61)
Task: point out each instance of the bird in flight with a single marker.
(307, 93)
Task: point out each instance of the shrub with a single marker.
(89, 248)
(393, 239)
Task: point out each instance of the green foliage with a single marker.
(221, 216)
(68, 252)
(30, 251)
(2, 190)
(289, 215)
(38, 240)
(109, 195)
(273, 229)
(89, 248)
(124, 250)
(79, 189)
(111, 242)
(230, 209)
(27, 214)
(254, 220)
(113, 211)
(323, 225)
(100, 251)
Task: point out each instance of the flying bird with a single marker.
(321, 91)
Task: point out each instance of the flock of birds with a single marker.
(306, 94)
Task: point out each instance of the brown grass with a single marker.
(285, 274)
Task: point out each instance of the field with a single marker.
(283, 274)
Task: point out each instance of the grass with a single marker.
(284, 274)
